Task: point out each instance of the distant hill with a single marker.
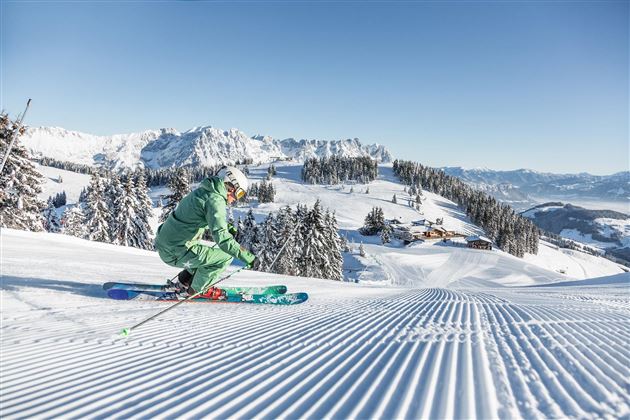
(524, 188)
(604, 229)
(198, 146)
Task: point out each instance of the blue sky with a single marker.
(503, 85)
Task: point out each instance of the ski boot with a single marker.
(183, 283)
(213, 293)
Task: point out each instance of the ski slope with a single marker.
(351, 351)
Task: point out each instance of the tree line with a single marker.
(310, 237)
(335, 170)
(511, 232)
(115, 210)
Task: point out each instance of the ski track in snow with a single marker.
(429, 352)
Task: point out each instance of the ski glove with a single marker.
(247, 257)
(232, 229)
(253, 264)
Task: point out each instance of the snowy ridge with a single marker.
(197, 146)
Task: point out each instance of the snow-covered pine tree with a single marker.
(286, 226)
(301, 215)
(333, 248)
(179, 186)
(113, 189)
(83, 195)
(20, 183)
(313, 247)
(124, 213)
(51, 221)
(144, 211)
(250, 238)
(374, 222)
(386, 234)
(73, 222)
(268, 244)
(240, 227)
(362, 250)
(97, 212)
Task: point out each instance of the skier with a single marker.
(178, 238)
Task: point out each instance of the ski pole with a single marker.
(126, 331)
(283, 246)
(15, 134)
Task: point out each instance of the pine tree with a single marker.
(51, 221)
(59, 199)
(394, 199)
(179, 187)
(269, 244)
(286, 225)
(144, 212)
(386, 234)
(332, 248)
(374, 222)
(362, 250)
(312, 259)
(73, 222)
(20, 183)
(250, 238)
(125, 214)
(97, 212)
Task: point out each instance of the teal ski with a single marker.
(255, 290)
(266, 298)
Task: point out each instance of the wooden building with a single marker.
(479, 242)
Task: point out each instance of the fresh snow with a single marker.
(431, 330)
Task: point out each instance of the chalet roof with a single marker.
(478, 238)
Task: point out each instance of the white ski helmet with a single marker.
(236, 178)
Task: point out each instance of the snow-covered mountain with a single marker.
(197, 146)
(524, 188)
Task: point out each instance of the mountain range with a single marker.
(524, 188)
(204, 146)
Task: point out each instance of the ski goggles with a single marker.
(239, 193)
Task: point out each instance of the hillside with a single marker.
(199, 146)
(351, 209)
(606, 230)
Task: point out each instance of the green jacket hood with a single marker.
(214, 184)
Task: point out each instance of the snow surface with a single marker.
(431, 330)
(351, 351)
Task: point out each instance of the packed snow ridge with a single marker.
(206, 146)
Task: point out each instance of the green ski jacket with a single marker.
(200, 209)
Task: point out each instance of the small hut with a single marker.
(479, 242)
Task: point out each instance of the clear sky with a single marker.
(497, 84)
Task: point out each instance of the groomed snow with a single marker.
(351, 351)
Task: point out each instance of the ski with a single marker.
(254, 290)
(266, 298)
